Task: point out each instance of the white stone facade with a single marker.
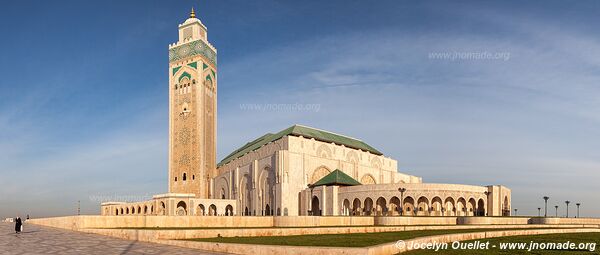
(273, 178)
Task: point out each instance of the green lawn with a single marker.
(338, 240)
(550, 238)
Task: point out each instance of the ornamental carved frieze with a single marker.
(194, 48)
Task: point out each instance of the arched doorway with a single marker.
(449, 208)
(356, 210)
(212, 210)
(505, 207)
(267, 210)
(461, 207)
(423, 206)
(181, 209)
(409, 206)
(472, 207)
(229, 210)
(315, 208)
(162, 209)
(201, 211)
(381, 208)
(368, 206)
(394, 206)
(436, 206)
(346, 207)
(481, 207)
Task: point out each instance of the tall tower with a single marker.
(192, 110)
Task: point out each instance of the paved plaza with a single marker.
(43, 240)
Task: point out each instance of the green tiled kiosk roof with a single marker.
(298, 130)
(337, 177)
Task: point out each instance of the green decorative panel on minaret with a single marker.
(193, 48)
(193, 65)
(175, 69)
(185, 74)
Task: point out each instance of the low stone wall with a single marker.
(493, 220)
(324, 221)
(149, 235)
(265, 249)
(563, 221)
(414, 221)
(93, 221)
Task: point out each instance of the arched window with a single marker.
(175, 178)
(184, 177)
(193, 177)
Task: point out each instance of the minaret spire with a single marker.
(192, 13)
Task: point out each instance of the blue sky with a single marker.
(83, 109)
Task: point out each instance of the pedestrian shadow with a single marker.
(129, 247)
(32, 231)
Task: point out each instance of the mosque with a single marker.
(296, 171)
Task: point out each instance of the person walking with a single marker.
(18, 225)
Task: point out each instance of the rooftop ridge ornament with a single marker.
(192, 13)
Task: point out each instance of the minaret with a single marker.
(192, 110)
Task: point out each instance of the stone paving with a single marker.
(43, 240)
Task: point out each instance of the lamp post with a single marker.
(556, 207)
(402, 190)
(578, 204)
(567, 202)
(539, 211)
(310, 212)
(487, 197)
(516, 211)
(546, 205)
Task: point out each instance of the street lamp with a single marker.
(487, 196)
(402, 190)
(310, 200)
(516, 211)
(567, 202)
(578, 204)
(556, 207)
(546, 206)
(539, 211)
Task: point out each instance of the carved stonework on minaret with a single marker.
(192, 110)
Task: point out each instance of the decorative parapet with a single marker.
(187, 48)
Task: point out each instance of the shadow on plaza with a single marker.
(129, 247)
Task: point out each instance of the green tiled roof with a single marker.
(336, 177)
(298, 130)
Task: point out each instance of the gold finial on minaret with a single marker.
(193, 13)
